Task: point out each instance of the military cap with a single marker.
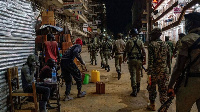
(156, 30)
(193, 16)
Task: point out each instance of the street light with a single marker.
(104, 30)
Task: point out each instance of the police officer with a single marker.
(158, 61)
(188, 56)
(118, 50)
(107, 47)
(136, 57)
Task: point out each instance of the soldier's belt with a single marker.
(194, 75)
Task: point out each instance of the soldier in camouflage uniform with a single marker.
(171, 50)
(118, 51)
(107, 47)
(159, 60)
(136, 57)
(101, 51)
(93, 50)
(189, 53)
(178, 44)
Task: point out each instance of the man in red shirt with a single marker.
(51, 48)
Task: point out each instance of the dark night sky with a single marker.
(118, 15)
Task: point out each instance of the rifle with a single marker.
(164, 107)
(195, 45)
(142, 71)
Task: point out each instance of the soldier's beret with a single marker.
(193, 16)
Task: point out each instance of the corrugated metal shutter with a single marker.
(17, 40)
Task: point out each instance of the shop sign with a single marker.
(94, 31)
(85, 29)
(89, 29)
(177, 10)
(85, 25)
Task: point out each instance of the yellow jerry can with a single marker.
(95, 76)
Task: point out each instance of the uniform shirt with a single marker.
(130, 44)
(45, 73)
(158, 52)
(51, 50)
(119, 46)
(71, 53)
(107, 46)
(188, 41)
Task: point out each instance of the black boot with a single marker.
(134, 92)
(102, 65)
(108, 68)
(119, 74)
(42, 106)
(95, 62)
(91, 62)
(138, 87)
(105, 67)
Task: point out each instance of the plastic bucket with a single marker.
(86, 79)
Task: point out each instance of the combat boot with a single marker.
(138, 87)
(134, 92)
(95, 62)
(105, 67)
(108, 68)
(151, 106)
(91, 62)
(119, 74)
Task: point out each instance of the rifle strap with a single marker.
(135, 45)
(194, 46)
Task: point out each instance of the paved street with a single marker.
(116, 99)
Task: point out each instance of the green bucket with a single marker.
(86, 79)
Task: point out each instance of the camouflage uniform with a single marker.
(171, 50)
(101, 52)
(107, 47)
(93, 51)
(134, 63)
(157, 68)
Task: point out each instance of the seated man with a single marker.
(27, 75)
(46, 72)
(69, 69)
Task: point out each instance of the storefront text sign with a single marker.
(177, 10)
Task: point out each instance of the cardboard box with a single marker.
(49, 23)
(47, 18)
(48, 13)
(67, 38)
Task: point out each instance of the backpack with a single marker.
(135, 51)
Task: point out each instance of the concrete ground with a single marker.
(117, 97)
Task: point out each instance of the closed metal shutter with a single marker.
(17, 40)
